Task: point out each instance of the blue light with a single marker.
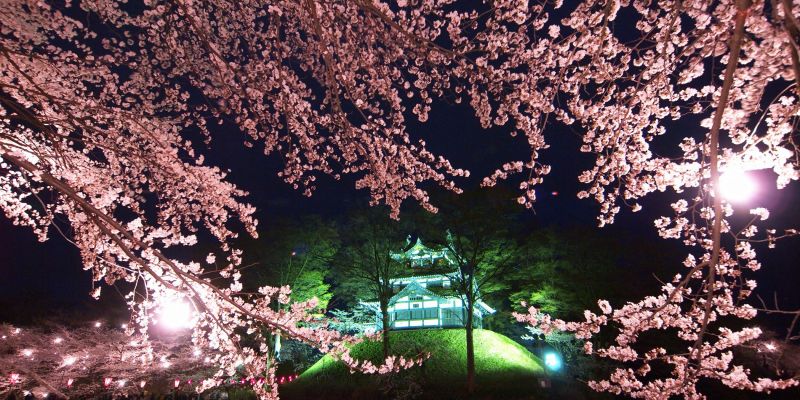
(552, 361)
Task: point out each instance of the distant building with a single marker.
(427, 300)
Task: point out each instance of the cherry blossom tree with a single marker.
(108, 108)
(52, 359)
(622, 95)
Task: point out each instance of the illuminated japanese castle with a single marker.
(427, 300)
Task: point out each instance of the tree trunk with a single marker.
(385, 333)
(470, 298)
(470, 349)
(713, 145)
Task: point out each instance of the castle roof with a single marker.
(415, 289)
(416, 249)
(418, 277)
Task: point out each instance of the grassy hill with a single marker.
(504, 369)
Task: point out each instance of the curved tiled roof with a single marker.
(414, 288)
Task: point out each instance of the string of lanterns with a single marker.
(15, 378)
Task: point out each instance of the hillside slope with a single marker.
(503, 369)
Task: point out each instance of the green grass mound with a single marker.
(504, 369)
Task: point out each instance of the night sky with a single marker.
(42, 279)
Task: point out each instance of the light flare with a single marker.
(176, 315)
(737, 186)
(552, 361)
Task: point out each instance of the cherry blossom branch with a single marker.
(713, 143)
(776, 310)
(793, 30)
(290, 331)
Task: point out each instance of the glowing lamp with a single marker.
(737, 186)
(97, 324)
(552, 361)
(176, 315)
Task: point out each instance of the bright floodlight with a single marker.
(176, 314)
(737, 186)
(552, 361)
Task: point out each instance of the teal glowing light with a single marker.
(552, 361)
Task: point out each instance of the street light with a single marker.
(737, 186)
(176, 314)
(552, 361)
